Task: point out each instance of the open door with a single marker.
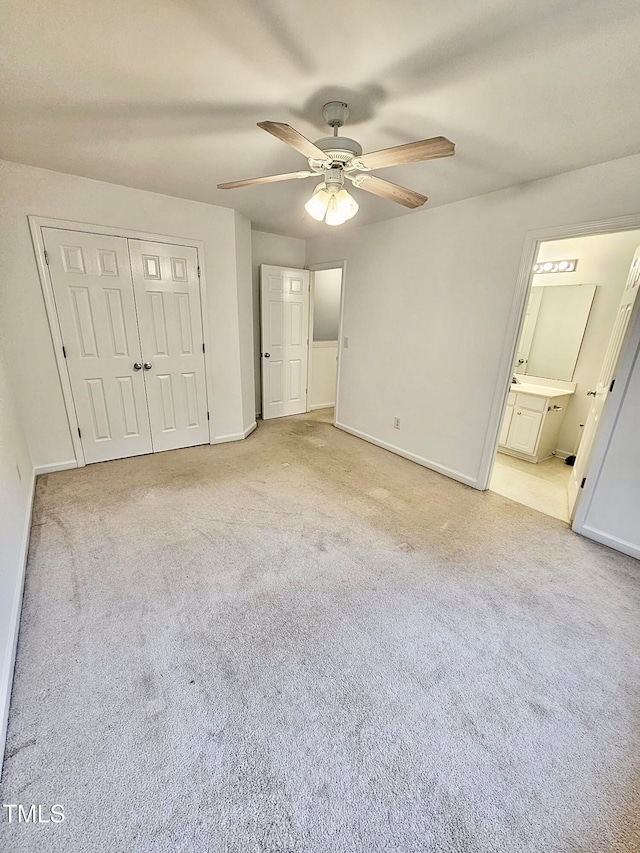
(605, 381)
(285, 340)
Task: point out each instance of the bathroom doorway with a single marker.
(577, 312)
(325, 312)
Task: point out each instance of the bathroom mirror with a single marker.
(554, 326)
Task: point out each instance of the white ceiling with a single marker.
(165, 94)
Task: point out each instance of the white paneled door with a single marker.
(604, 386)
(285, 340)
(92, 288)
(167, 292)
(134, 354)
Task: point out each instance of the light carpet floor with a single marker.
(301, 643)
(543, 486)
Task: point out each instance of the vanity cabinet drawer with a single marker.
(528, 401)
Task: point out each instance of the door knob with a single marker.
(147, 365)
(591, 393)
(137, 366)
(267, 355)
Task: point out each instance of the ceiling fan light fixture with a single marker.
(334, 214)
(347, 205)
(334, 158)
(331, 204)
(318, 203)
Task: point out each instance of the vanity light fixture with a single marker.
(555, 266)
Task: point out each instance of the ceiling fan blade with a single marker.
(412, 152)
(296, 140)
(392, 192)
(268, 179)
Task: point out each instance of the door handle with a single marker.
(147, 365)
(591, 393)
(267, 355)
(137, 365)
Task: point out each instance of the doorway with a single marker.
(324, 336)
(300, 315)
(577, 313)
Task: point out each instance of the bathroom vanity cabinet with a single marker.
(532, 421)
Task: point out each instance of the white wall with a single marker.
(327, 286)
(23, 321)
(428, 299)
(280, 252)
(604, 260)
(16, 495)
(245, 319)
(324, 366)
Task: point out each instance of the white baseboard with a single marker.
(563, 454)
(321, 406)
(235, 436)
(6, 675)
(55, 466)
(610, 541)
(412, 457)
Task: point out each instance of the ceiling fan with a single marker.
(336, 158)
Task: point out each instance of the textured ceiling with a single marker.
(165, 95)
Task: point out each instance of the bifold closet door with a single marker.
(91, 281)
(167, 294)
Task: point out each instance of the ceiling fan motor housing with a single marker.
(339, 148)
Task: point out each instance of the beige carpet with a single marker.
(303, 644)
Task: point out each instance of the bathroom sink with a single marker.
(538, 390)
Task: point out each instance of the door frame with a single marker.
(36, 224)
(630, 346)
(330, 265)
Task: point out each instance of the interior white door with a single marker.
(285, 340)
(91, 280)
(600, 393)
(167, 294)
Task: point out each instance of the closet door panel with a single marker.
(93, 292)
(167, 293)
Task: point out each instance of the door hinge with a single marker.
(207, 415)
(46, 257)
(202, 347)
(64, 352)
(584, 480)
(198, 270)
(79, 433)
(613, 382)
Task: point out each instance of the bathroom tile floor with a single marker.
(542, 486)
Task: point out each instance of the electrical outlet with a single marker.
(346, 343)
(18, 471)
(396, 423)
